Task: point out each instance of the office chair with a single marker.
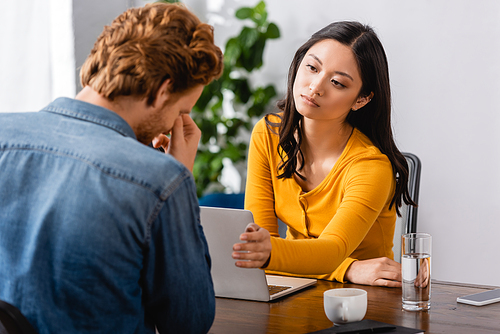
(233, 201)
(12, 321)
(221, 200)
(407, 223)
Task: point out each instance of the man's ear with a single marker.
(362, 101)
(163, 94)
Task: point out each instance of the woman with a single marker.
(328, 167)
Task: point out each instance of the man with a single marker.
(100, 233)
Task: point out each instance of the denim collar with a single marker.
(90, 113)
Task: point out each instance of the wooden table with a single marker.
(303, 312)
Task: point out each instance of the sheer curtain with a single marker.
(37, 62)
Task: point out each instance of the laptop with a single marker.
(222, 228)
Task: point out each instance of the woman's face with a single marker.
(328, 82)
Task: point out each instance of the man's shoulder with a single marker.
(74, 141)
(127, 159)
(159, 172)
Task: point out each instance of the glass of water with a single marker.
(416, 271)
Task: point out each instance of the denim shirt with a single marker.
(98, 232)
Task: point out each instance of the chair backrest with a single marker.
(407, 223)
(221, 200)
(12, 321)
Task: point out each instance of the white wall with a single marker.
(36, 53)
(89, 19)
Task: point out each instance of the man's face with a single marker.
(161, 120)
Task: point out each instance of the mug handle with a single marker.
(345, 310)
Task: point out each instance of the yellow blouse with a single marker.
(345, 218)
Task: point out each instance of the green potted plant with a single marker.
(229, 107)
(225, 132)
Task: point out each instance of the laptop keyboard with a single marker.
(277, 288)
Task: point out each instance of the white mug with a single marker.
(345, 305)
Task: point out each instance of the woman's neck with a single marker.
(322, 145)
(322, 139)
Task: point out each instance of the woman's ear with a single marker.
(362, 101)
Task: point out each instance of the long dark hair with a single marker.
(374, 119)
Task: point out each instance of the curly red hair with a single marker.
(145, 46)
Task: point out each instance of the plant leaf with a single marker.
(232, 51)
(244, 13)
(260, 14)
(272, 31)
(242, 91)
(252, 58)
(247, 38)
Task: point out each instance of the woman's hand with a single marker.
(380, 271)
(256, 251)
(424, 274)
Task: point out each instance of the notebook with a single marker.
(222, 228)
(369, 326)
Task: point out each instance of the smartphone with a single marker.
(481, 298)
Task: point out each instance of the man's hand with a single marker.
(380, 271)
(183, 142)
(255, 252)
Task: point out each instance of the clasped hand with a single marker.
(380, 271)
(255, 251)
